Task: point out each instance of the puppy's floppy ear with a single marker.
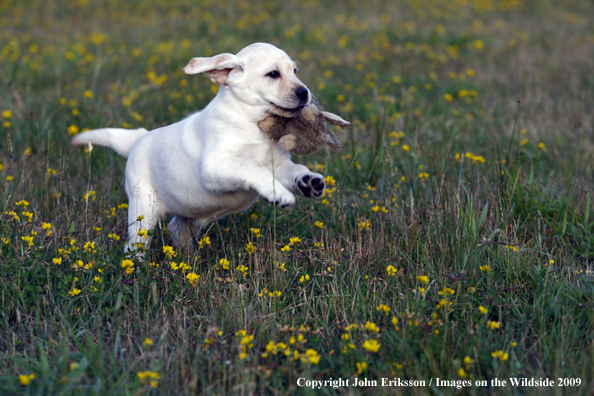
(218, 68)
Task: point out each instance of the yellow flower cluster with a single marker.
(444, 303)
(193, 278)
(275, 348)
(502, 356)
(250, 248)
(361, 366)
(493, 325)
(204, 241)
(224, 263)
(265, 293)
(79, 265)
(181, 266)
(243, 269)
(312, 356)
(89, 247)
(372, 327)
(304, 278)
(383, 308)
(128, 266)
(446, 291)
(477, 159)
(392, 271)
(245, 342)
(379, 208)
(364, 225)
(169, 252)
(25, 380)
(150, 378)
(372, 345)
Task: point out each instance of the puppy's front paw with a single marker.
(282, 198)
(310, 185)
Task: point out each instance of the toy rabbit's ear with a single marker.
(332, 140)
(335, 120)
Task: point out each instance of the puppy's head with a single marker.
(260, 75)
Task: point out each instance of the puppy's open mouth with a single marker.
(284, 112)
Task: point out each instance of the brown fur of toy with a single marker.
(304, 133)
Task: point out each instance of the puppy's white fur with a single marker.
(217, 161)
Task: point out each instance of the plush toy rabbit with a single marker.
(305, 133)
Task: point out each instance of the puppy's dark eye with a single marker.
(273, 74)
(295, 71)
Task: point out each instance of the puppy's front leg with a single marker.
(300, 179)
(231, 173)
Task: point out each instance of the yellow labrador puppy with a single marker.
(215, 162)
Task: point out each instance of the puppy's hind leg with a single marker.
(144, 211)
(182, 230)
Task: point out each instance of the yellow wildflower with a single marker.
(149, 378)
(383, 308)
(372, 345)
(330, 181)
(22, 203)
(304, 278)
(364, 225)
(25, 380)
(243, 269)
(502, 356)
(493, 325)
(312, 356)
(169, 252)
(391, 270)
(89, 247)
(128, 265)
(361, 366)
(372, 327)
(250, 248)
(193, 278)
(224, 263)
(72, 130)
(47, 228)
(204, 241)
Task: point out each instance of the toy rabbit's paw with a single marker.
(266, 123)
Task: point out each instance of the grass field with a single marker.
(455, 241)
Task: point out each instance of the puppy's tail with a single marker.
(121, 140)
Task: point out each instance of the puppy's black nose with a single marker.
(302, 93)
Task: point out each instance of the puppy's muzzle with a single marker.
(302, 94)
